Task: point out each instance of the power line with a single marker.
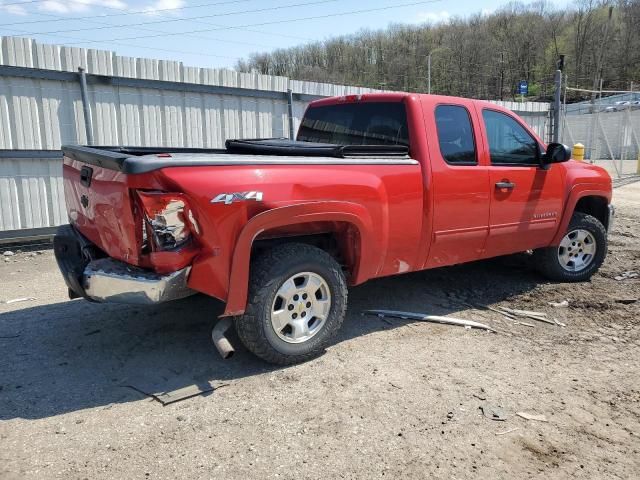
(201, 37)
(184, 19)
(24, 3)
(57, 18)
(124, 13)
(185, 52)
(373, 65)
(107, 25)
(274, 22)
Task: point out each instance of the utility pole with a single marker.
(600, 58)
(564, 94)
(501, 74)
(556, 105)
(290, 113)
(86, 107)
(600, 96)
(429, 73)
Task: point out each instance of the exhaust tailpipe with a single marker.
(221, 342)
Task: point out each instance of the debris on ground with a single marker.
(562, 304)
(626, 301)
(511, 317)
(429, 318)
(525, 324)
(504, 314)
(507, 431)
(16, 300)
(493, 413)
(627, 275)
(65, 376)
(8, 253)
(167, 398)
(539, 316)
(532, 416)
(482, 395)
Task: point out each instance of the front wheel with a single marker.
(580, 253)
(297, 302)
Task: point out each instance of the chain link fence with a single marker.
(611, 137)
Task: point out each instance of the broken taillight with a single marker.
(168, 219)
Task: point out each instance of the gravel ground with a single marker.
(388, 399)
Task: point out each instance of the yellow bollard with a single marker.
(578, 152)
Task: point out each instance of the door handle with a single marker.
(507, 185)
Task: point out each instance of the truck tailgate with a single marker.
(100, 206)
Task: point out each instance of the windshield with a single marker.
(374, 123)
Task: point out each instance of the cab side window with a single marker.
(455, 135)
(509, 142)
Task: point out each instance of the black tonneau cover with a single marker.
(133, 160)
(294, 148)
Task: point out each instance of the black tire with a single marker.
(548, 263)
(269, 271)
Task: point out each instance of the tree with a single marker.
(481, 56)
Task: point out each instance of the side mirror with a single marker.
(556, 153)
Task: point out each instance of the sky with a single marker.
(215, 33)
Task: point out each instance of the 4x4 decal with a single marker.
(228, 198)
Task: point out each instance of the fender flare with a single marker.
(333, 211)
(577, 192)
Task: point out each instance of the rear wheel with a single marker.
(297, 302)
(580, 253)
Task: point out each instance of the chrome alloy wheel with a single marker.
(577, 250)
(301, 307)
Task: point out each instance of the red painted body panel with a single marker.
(460, 205)
(391, 218)
(108, 219)
(582, 180)
(527, 216)
(385, 193)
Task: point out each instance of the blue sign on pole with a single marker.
(523, 87)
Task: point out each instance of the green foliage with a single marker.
(482, 56)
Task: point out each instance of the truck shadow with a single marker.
(74, 355)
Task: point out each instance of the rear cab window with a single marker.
(360, 123)
(455, 135)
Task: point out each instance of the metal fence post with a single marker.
(429, 73)
(290, 112)
(556, 105)
(86, 108)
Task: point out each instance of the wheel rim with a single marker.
(301, 307)
(577, 250)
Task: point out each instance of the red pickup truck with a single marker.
(374, 185)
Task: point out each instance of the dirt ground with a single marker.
(391, 398)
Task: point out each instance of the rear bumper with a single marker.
(109, 280)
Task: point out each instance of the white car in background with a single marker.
(619, 106)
